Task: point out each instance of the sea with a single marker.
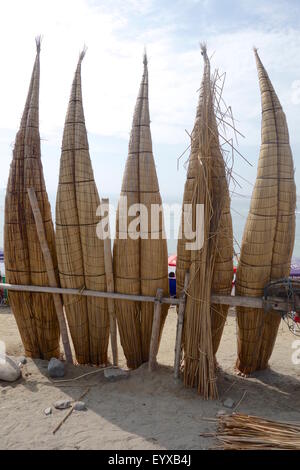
(239, 210)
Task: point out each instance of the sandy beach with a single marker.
(146, 410)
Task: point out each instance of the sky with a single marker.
(116, 33)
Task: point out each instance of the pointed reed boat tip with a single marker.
(203, 48)
(38, 41)
(145, 59)
(82, 54)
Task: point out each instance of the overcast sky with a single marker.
(116, 33)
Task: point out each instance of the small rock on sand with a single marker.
(116, 373)
(48, 411)
(22, 360)
(79, 406)
(228, 403)
(56, 368)
(62, 404)
(9, 370)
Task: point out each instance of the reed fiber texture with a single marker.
(223, 265)
(210, 265)
(244, 432)
(140, 264)
(79, 250)
(24, 263)
(269, 233)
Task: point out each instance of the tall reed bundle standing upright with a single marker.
(269, 233)
(210, 264)
(140, 264)
(80, 252)
(24, 264)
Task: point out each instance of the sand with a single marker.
(145, 411)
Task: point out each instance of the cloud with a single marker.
(116, 33)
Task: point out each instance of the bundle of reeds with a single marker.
(221, 234)
(243, 432)
(269, 233)
(140, 262)
(210, 265)
(79, 250)
(24, 264)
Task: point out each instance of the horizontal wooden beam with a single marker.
(237, 301)
(233, 301)
(272, 303)
(87, 293)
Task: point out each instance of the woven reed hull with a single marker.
(199, 365)
(210, 266)
(140, 265)
(24, 264)
(223, 268)
(80, 251)
(183, 261)
(269, 233)
(223, 262)
(153, 253)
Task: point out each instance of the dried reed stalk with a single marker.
(243, 432)
(80, 252)
(223, 236)
(140, 265)
(24, 263)
(269, 233)
(209, 187)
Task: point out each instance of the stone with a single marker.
(9, 370)
(62, 404)
(48, 411)
(79, 406)
(116, 373)
(228, 403)
(22, 360)
(56, 368)
(221, 413)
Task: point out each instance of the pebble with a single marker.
(79, 406)
(56, 368)
(62, 404)
(221, 413)
(48, 411)
(22, 360)
(115, 374)
(228, 403)
(9, 370)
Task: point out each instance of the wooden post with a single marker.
(110, 288)
(179, 329)
(155, 330)
(51, 273)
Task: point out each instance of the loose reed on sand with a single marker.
(80, 252)
(210, 264)
(140, 264)
(269, 233)
(24, 263)
(243, 432)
